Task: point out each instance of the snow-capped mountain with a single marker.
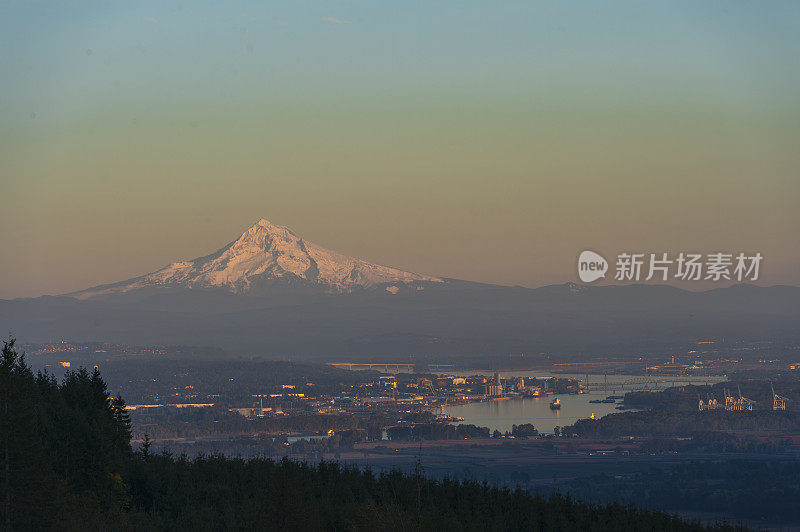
(267, 252)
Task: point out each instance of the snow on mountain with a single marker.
(264, 252)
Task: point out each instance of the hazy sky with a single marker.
(490, 141)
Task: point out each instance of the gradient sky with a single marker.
(490, 141)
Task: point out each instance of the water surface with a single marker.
(501, 415)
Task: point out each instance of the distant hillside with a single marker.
(452, 318)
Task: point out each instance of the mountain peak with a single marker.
(263, 223)
(263, 234)
(268, 252)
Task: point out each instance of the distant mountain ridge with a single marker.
(454, 319)
(266, 252)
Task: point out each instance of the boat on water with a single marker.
(555, 404)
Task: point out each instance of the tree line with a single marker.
(745, 489)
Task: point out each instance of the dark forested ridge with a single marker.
(747, 489)
(67, 463)
(65, 448)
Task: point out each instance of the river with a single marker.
(501, 415)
